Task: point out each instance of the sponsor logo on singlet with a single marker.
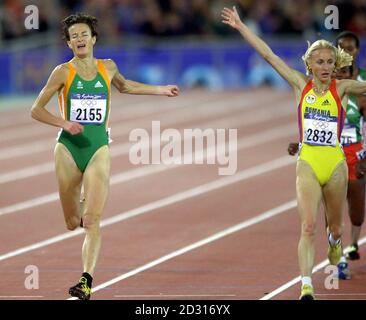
(98, 85)
(79, 85)
(310, 99)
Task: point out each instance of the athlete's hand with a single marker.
(293, 148)
(231, 17)
(170, 90)
(73, 127)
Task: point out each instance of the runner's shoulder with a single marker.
(109, 64)
(61, 70)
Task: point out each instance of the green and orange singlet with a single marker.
(86, 102)
(321, 120)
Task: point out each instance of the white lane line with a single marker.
(45, 144)
(122, 104)
(20, 297)
(26, 131)
(48, 143)
(29, 203)
(246, 142)
(294, 281)
(27, 172)
(167, 119)
(129, 112)
(27, 148)
(180, 196)
(123, 148)
(172, 295)
(238, 227)
(341, 294)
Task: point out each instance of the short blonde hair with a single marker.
(343, 59)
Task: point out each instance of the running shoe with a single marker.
(81, 290)
(344, 272)
(307, 292)
(353, 253)
(334, 253)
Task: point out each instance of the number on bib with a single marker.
(320, 130)
(349, 135)
(88, 108)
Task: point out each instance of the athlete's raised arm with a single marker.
(292, 76)
(132, 87)
(352, 87)
(55, 82)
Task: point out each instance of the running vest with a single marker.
(320, 118)
(352, 131)
(361, 75)
(86, 102)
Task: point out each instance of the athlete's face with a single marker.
(322, 64)
(349, 45)
(343, 73)
(81, 41)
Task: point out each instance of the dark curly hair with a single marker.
(91, 21)
(348, 34)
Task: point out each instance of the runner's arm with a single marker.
(292, 76)
(353, 87)
(132, 87)
(55, 82)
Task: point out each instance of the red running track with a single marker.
(169, 232)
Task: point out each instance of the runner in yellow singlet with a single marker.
(321, 170)
(82, 153)
(321, 119)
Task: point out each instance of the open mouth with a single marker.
(80, 46)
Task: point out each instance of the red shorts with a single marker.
(351, 158)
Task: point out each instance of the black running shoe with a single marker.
(353, 253)
(81, 290)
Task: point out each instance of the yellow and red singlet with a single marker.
(321, 120)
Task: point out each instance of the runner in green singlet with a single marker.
(356, 108)
(82, 152)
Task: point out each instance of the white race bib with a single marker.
(320, 130)
(88, 108)
(349, 135)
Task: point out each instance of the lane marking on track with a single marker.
(142, 296)
(246, 142)
(296, 280)
(125, 105)
(178, 197)
(141, 109)
(238, 227)
(123, 148)
(20, 297)
(341, 294)
(170, 118)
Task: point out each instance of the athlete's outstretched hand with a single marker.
(170, 90)
(293, 148)
(231, 17)
(73, 127)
